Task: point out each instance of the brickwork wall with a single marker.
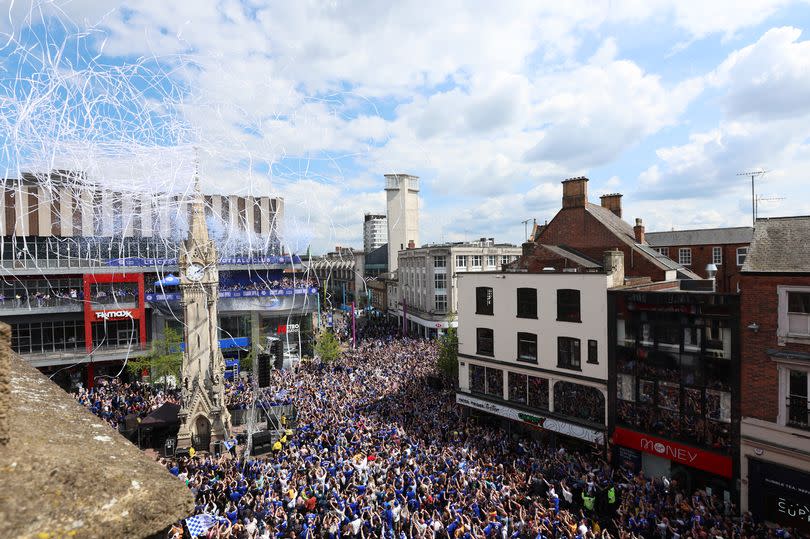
(576, 228)
(759, 304)
(728, 273)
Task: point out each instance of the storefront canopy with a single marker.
(165, 416)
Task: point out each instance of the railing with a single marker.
(798, 413)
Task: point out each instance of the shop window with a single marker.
(527, 303)
(568, 306)
(495, 382)
(518, 384)
(538, 392)
(477, 379)
(579, 401)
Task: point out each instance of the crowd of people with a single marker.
(113, 400)
(54, 297)
(378, 451)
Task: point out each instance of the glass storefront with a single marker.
(676, 366)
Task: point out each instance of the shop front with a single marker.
(779, 494)
(691, 466)
(533, 420)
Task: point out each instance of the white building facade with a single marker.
(426, 282)
(402, 207)
(533, 348)
(375, 232)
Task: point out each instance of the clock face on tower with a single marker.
(195, 272)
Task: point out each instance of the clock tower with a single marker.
(203, 414)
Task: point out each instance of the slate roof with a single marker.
(66, 473)
(703, 236)
(616, 224)
(781, 244)
(572, 255)
(378, 256)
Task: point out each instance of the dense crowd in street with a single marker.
(377, 452)
(113, 400)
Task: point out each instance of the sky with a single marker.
(491, 104)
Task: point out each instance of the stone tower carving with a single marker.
(203, 412)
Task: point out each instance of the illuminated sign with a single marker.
(114, 315)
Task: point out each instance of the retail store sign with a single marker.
(674, 451)
(288, 328)
(535, 420)
(114, 315)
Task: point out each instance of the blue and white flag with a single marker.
(199, 524)
(229, 444)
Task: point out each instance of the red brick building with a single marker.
(592, 229)
(726, 248)
(775, 328)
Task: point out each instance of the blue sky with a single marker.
(492, 105)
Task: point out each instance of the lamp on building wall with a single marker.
(711, 270)
(753, 326)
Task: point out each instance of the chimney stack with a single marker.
(575, 192)
(613, 202)
(638, 231)
(614, 267)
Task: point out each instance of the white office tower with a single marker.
(375, 232)
(402, 196)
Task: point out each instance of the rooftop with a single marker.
(700, 236)
(65, 472)
(780, 245)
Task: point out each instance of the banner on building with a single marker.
(535, 420)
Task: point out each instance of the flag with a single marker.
(199, 524)
(228, 444)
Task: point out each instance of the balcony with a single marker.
(798, 413)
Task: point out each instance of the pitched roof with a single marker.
(703, 236)
(64, 470)
(576, 257)
(781, 244)
(378, 256)
(616, 224)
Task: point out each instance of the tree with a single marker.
(165, 360)
(447, 361)
(327, 346)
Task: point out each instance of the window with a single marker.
(538, 392)
(440, 302)
(484, 342)
(440, 281)
(794, 313)
(593, 352)
(527, 347)
(717, 256)
(439, 262)
(685, 256)
(798, 313)
(495, 382)
(797, 399)
(477, 379)
(483, 300)
(579, 401)
(491, 261)
(504, 259)
(742, 252)
(517, 387)
(527, 303)
(568, 305)
(476, 261)
(662, 250)
(568, 356)
(461, 261)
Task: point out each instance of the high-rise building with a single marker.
(375, 232)
(402, 199)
